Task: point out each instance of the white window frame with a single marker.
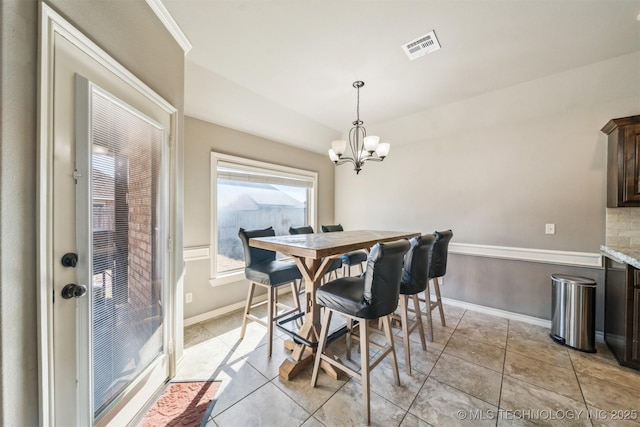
(217, 279)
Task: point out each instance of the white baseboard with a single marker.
(228, 309)
(215, 313)
(499, 313)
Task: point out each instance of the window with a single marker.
(252, 194)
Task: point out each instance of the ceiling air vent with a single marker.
(421, 46)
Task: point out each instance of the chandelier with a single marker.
(363, 148)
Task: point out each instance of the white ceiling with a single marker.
(284, 69)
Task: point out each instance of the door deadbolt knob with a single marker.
(69, 259)
(73, 291)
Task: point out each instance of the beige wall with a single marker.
(201, 138)
(496, 170)
(133, 35)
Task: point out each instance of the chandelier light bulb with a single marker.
(383, 149)
(338, 146)
(371, 143)
(333, 156)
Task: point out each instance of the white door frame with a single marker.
(51, 23)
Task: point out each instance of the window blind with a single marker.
(245, 173)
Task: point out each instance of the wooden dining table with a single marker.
(313, 254)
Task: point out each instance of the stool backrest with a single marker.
(331, 228)
(417, 261)
(382, 277)
(438, 266)
(253, 256)
(305, 229)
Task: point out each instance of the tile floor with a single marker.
(479, 370)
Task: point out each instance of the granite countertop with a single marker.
(626, 254)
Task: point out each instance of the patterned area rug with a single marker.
(184, 404)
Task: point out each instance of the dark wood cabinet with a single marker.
(622, 312)
(623, 162)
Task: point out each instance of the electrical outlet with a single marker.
(188, 297)
(550, 229)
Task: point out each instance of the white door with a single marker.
(105, 241)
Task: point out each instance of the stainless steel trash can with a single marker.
(573, 310)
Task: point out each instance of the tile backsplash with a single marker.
(623, 226)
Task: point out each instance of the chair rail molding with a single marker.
(548, 256)
(194, 253)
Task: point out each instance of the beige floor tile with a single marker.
(221, 325)
(211, 423)
(441, 336)
(486, 355)
(239, 379)
(523, 401)
(505, 419)
(205, 360)
(312, 422)
(473, 379)
(541, 374)
(441, 405)
(452, 314)
(609, 396)
(545, 351)
(346, 408)
(255, 336)
(487, 335)
(529, 331)
(484, 328)
(489, 320)
(310, 398)
(604, 369)
(603, 418)
(269, 366)
(383, 383)
(339, 349)
(603, 352)
(280, 410)
(196, 334)
(421, 360)
(411, 420)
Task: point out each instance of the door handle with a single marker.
(73, 291)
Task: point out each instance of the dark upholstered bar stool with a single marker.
(350, 258)
(373, 296)
(262, 269)
(336, 264)
(437, 269)
(415, 275)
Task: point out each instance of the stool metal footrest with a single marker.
(292, 331)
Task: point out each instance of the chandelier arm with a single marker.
(373, 159)
(344, 160)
